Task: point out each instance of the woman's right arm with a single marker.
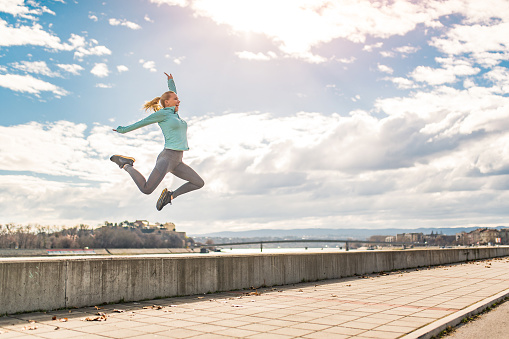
(151, 119)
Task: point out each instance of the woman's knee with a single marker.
(146, 190)
(200, 183)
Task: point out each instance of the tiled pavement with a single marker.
(386, 305)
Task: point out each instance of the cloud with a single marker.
(29, 84)
(256, 56)
(147, 18)
(71, 68)
(122, 68)
(150, 65)
(36, 67)
(487, 44)
(100, 70)
(101, 85)
(430, 157)
(93, 17)
(407, 49)
(385, 69)
(124, 22)
(27, 11)
(452, 69)
(370, 48)
(35, 35)
(353, 21)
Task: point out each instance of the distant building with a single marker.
(410, 237)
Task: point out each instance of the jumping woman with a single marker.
(174, 129)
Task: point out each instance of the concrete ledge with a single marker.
(29, 284)
(452, 320)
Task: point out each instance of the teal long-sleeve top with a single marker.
(173, 127)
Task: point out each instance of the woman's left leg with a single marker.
(194, 181)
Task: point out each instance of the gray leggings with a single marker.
(167, 161)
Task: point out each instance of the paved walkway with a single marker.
(400, 304)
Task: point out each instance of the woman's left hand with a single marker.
(169, 76)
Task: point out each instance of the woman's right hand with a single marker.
(169, 76)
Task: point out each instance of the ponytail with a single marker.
(157, 103)
(153, 105)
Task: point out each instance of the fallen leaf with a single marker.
(118, 311)
(63, 320)
(54, 317)
(97, 308)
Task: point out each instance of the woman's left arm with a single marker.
(171, 83)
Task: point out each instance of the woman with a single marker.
(174, 130)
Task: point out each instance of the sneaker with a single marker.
(121, 160)
(164, 199)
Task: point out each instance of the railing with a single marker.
(346, 242)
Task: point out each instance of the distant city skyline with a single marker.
(301, 113)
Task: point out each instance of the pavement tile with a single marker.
(293, 332)
(379, 335)
(312, 327)
(397, 329)
(359, 325)
(269, 336)
(321, 335)
(211, 336)
(334, 320)
(343, 330)
(14, 334)
(63, 333)
(238, 333)
(262, 327)
(179, 333)
(152, 328)
(231, 323)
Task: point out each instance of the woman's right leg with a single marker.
(155, 178)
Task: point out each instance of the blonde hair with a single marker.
(157, 103)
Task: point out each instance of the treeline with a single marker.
(44, 237)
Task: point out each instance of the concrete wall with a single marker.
(29, 284)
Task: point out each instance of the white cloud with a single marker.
(71, 68)
(93, 17)
(486, 43)
(499, 76)
(35, 35)
(122, 68)
(100, 70)
(385, 69)
(36, 67)
(256, 56)
(101, 85)
(150, 65)
(124, 22)
(351, 20)
(407, 49)
(27, 11)
(29, 84)
(370, 48)
(402, 83)
(415, 165)
(452, 69)
(147, 18)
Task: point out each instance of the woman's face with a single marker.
(172, 101)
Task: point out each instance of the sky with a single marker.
(301, 113)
